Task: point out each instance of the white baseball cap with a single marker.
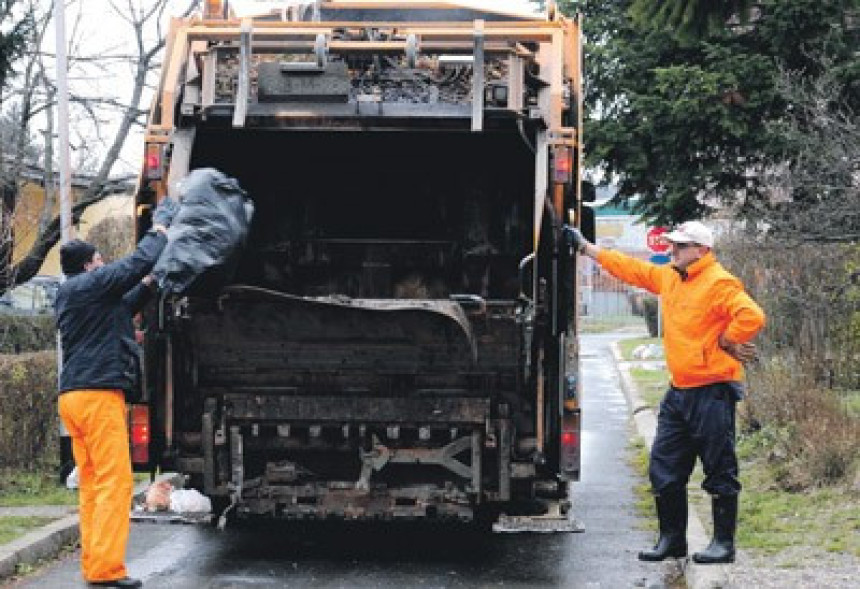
(691, 232)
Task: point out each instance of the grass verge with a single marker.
(609, 323)
(12, 527)
(771, 519)
(651, 384)
(26, 488)
(626, 346)
(644, 500)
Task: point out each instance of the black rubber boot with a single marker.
(722, 547)
(672, 515)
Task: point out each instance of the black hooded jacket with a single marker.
(94, 313)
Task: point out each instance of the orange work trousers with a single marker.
(96, 421)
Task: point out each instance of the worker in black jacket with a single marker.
(94, 309)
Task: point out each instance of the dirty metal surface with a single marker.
(276, 82)
(260, 338)
(437, 13)
(387, 81)
(323, 502)
(537, 525)
(449, 309)
(347, 409)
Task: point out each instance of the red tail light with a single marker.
(570, 445)
(569, 439)
(140, 434)
(213, 9)
(562, 165)
(154, 164)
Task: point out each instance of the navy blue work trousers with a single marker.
(693, 422)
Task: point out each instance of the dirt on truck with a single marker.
(398, 339)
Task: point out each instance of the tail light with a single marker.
(570, 445)
(154, 161)
(214, 9)
(569, 452)
(140, 434)
(562, 172)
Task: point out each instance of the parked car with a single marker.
(34, 297)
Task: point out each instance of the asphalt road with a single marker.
(176, 556)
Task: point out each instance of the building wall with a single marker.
(621, 232)
(26, 223)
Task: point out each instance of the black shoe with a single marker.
(124, 583)
(722, 547)
(672, 515)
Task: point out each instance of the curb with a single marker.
(47, 542)
(714, 576)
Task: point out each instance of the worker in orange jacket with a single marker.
(708, 324)
(94, 310)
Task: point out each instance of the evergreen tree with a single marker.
(14, 28)
(686, 124)
(690, 19)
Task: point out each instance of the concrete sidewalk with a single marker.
(48, 541)
(697, 576)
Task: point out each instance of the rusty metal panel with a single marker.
(277, 81)
(341, 500)
(259, 338)
(358, 409)
(441, 12)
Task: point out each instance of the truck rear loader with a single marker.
(398, 339)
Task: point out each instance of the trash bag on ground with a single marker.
(158, 496)
(189, 501)
(206, 236)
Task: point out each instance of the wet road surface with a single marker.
(176, 556)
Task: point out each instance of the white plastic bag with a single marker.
(72, 480)
(189, 501)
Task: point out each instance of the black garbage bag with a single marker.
(206, 236)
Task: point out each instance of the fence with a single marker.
(607, 302)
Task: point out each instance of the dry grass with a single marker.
(803, 395)
(813, 437)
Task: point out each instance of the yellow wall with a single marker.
(27, 218)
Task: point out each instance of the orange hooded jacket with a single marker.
(696, 310)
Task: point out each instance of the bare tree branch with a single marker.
(140, 17)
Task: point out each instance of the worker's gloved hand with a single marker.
(574, 238)
(741, 352)
(165, 212)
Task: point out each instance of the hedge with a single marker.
(27, 333)
(650, 306)
(29, 423)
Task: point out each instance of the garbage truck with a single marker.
(397, 340)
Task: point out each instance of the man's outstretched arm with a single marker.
(624, 267)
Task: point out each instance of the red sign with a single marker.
(655, 240)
